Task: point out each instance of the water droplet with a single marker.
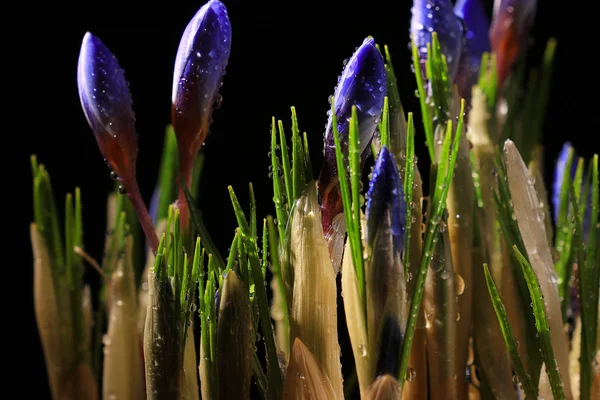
(410, 375)
(457, 316)
(362, 350)
(459, 284)
(516, 379)
(106, 340)
(122, 189)
(445, 274)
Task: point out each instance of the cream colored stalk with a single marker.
(440, 306)
(305, 378)
(313, 316)
(46, 312)
(235, 340)
(190, 370)
(122, 377)
(386, 387)
(530, 218)
(489, 346)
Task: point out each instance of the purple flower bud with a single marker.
(509, 32)
(362, 84)
(386, 208)
(475, 18)
(430, 16)
(106, 103)
(199, 68)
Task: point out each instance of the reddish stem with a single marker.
(133, 193)
(185, 170)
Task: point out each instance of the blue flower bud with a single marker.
(386, 208)
(107, 105)
(559, 171)
(199, 68)
(362, 84)
(438, 16)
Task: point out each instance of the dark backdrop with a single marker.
(283, 54)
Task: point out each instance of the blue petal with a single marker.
(200, 64)
(430, 16)
(476, 20)
(559, 171)
(107, 105)
(386, 200)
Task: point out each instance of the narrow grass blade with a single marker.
(409, 176)
(278, 191)
(425, 109)
(544, 338)
(444, 177)
(352, 225)
(282, 304)
(275, 381)
(198, 222)
(384, 126)
(511, 343)
(285, 161)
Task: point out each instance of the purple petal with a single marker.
(107, 105)
(430, 16)
(200, 64)
(386, 208)
(559, 171)
(476, 20)
(362, 84)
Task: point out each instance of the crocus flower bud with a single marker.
(362, 84)
(384, 272)
(430, 16)
(509, 32)
(199, 68)
(106, 102)
(477, 27)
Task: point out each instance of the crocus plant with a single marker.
(482, 285)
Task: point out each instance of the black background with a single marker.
(283, 54)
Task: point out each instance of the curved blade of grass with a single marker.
(278, 193)
(196, 216)
(444, 177)
(541, 324)
(285, 161)
(276, 270)
(427, 119)
(384, 126)
(409, 175)
(352, 224)
(275, 380)
(308, 173)
(511, 343)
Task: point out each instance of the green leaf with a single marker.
(409, 175)
(196, 217)
(232, 252)
(276, 270)
(253, 228)
(278, 195)
(476, 180)
(392, 83)
(445, 172)
(275, 379)
(427, 118)
(541, 324)
(307, 163)
(298, 169)
(384, 126)
(511, 343)
(168, 170)
(352, 224)
(285, 158)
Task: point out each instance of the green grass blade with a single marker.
(541, 324)
(285, 161)
(253, 227)
(392, 83)
(243, 266)
(308, 172)
(278, 195)
(167, 174)
(511, 343)
(352, 225)
(196, 217)
(298, 169)
(476, 180)
(276, 270)
(232, 253)
(409, 175)
(275, 379)
(445, 174)
(425, 110)
(384, 126)
(265, 248)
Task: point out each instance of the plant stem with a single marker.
(133, 193)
